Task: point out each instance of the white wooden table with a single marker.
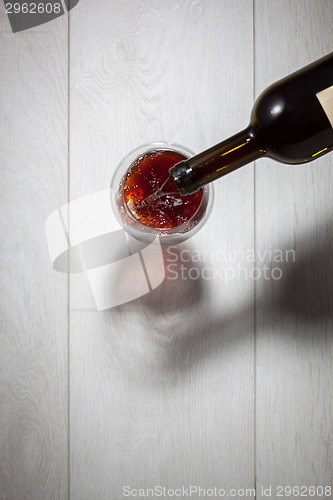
(218, 383)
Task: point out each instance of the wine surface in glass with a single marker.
(151, 198)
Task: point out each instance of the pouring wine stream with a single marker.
(167, 187)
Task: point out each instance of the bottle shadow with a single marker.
(180, 324)
(186, 325)
(307, 291)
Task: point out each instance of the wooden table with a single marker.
(220, 383)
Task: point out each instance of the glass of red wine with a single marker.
(146, 202)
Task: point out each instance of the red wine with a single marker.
(291, 122)
(152, 197)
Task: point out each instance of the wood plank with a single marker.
(162, 387)
(33, 341)
(294, 209)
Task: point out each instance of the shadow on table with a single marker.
(307, 290)
(190, 329)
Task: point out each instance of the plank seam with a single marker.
(68, 276)
(255, 283)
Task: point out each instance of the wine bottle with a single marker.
(291, 122)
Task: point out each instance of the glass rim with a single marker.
(142, 231)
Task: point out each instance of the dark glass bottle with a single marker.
(291, 122)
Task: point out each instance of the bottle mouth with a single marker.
(181, 174)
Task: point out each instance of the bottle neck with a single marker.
(240, 149)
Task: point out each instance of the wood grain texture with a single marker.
(33, 340)
(294, 210)
(196, 383)
(162, 388)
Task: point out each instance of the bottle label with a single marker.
(325, 98)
